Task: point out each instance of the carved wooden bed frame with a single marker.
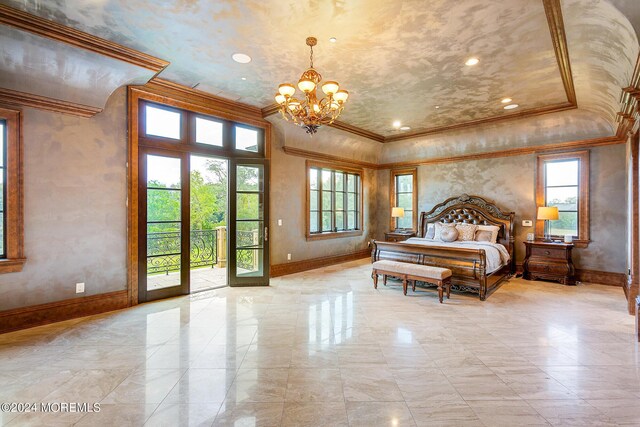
(467, 265)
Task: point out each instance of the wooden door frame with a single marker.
(185, 98)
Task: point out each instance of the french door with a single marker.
(166, 252)
(248, 223)
(163, 240)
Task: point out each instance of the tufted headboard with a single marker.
(474, 210)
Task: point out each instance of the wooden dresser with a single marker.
(549, 261)
(398, 236)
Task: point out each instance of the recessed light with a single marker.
(472, 61)
(243, 78)
(510, 106)
(241, 58)
(437, 107)
(405, 128)
(397, 124)
(506, 100)
(333, 39)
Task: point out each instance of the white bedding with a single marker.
(497, 254)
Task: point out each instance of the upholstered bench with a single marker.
(407, 271)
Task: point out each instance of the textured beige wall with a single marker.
(510, 182)
(288, 187)
(75, 214)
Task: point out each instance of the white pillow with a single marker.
(493, 229)
(431, 231)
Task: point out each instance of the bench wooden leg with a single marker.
(375, 280)
(440, 291)
(404, 284)
(384, 279)
(448, 285)
(414, 286)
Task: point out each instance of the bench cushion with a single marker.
(419, 270)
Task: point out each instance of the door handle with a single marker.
(266, 234)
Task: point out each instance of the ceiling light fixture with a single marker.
(405, 128)
(437, 107)
(471, 61)
(333, 39)
(243, 78)
(241, 58)
(310, 113)
(506, 100)
(396, 124)
(510, 106)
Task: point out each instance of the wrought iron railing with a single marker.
(163, 250)
(246, 257)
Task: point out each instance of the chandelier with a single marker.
(310, 113)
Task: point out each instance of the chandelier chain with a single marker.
(311, 57)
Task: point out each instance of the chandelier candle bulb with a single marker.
(311, 112)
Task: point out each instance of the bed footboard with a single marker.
(468, 266)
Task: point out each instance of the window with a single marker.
(404, 194)
(563, 182)
(334, 201)
(11, 202)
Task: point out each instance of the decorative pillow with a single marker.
(491, 228)
(440, 226)
(449, 234)
(431, 231)
(466, 231)
(483, 236)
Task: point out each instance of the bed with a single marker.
(474, 265)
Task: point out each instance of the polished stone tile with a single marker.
(249, 414)
(184, 414)
(324, 347)
(370, 385)
(317, 414)
(314, 385)
(366, 414)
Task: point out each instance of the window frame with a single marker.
(13, 192)
(321, 235)
(393, 196)
(582, 239)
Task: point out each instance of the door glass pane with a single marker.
(248, 178)
(208, 132)
(567, 223)
(208, 212)
(161, 122)
(249, 206)
(249, 234)
(163, 172)
(562, 173)
(249, 224)
(163, 222)
(246, 139)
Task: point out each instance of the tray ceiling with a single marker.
(399, 59)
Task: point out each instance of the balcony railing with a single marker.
(163, 250)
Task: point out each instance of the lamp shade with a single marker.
(397, 212)
(548, 212)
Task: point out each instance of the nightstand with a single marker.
(398, 236)
(549, 261)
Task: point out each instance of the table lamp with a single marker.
(397, 213)
(547, 213)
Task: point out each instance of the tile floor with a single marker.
(324, 348)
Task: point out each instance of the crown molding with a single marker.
(13, 97)
(52, 30)
(512, 116)
(274, 108)
(553, 10)
(298, 152)
(628, 117)
(198, 97)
